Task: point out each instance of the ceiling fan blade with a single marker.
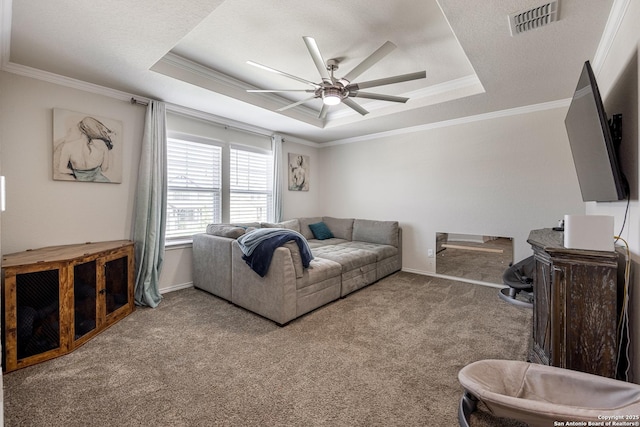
(388, 80)
(295, 104)
(355, 106)
(378, 96)
(323, 112)
(282, 73)
(317, 58)
(368, 62)
(280, 90)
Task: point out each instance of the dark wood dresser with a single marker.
(577, 301)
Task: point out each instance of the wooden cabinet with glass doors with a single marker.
(56, 298)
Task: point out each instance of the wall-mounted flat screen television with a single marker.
(593, 145)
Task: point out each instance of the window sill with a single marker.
(177, 244)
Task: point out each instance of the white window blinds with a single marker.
(251, 186)
(193, 187)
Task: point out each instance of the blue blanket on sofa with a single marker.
(258, 246)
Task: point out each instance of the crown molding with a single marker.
(5, 31)
(202, 71)
(220, 79)
(465, 82)
(22, 70)
(618, 11)
(563, 103)
(126, 97)
(46, 76)
(290, 138)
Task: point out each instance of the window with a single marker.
(194, 187)
(251, 186)
(211, 182)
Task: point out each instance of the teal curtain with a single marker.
(278, 178)
(151, 206)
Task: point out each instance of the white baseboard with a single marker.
(176, 287)
(187, 285)
(459, 279)
(412, 270)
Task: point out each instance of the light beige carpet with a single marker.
(387, 355)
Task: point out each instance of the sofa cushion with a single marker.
(382, 232)
(341, 228)
(314, 243)
(225, 230)
(349, 258)
(304, 226)
(321, 231)
(319, 270)
(292, 224)
(381, 251)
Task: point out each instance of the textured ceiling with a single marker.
(423, 37)
(194, 55)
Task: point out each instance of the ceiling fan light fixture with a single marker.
(331, 96)
(334, 91)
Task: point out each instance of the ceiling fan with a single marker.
(333, 90)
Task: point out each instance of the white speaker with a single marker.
(594, 232)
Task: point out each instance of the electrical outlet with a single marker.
(430, 253)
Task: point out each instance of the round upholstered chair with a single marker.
(540, 395)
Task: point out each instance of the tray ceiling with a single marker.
(195, 55)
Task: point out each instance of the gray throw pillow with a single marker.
(222, 230)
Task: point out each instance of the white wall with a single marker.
(501, 177)
(176, 269)
(42, 212)
(203, 128)
(618, 83)
(298, 204)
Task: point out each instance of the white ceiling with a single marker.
(194, 55)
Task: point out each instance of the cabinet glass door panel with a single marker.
(116, 275)
(84, 291)
(38, 314)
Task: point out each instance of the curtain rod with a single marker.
(216, 120)
(189, 113)
(135, 101)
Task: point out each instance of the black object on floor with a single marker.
(519, 279)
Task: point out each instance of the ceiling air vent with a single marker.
(533, 18)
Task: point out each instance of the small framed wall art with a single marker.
(298, 172)
(86, 147)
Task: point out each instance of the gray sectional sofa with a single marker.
(359, 253)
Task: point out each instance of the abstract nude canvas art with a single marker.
(298, 172)
(86, 147)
